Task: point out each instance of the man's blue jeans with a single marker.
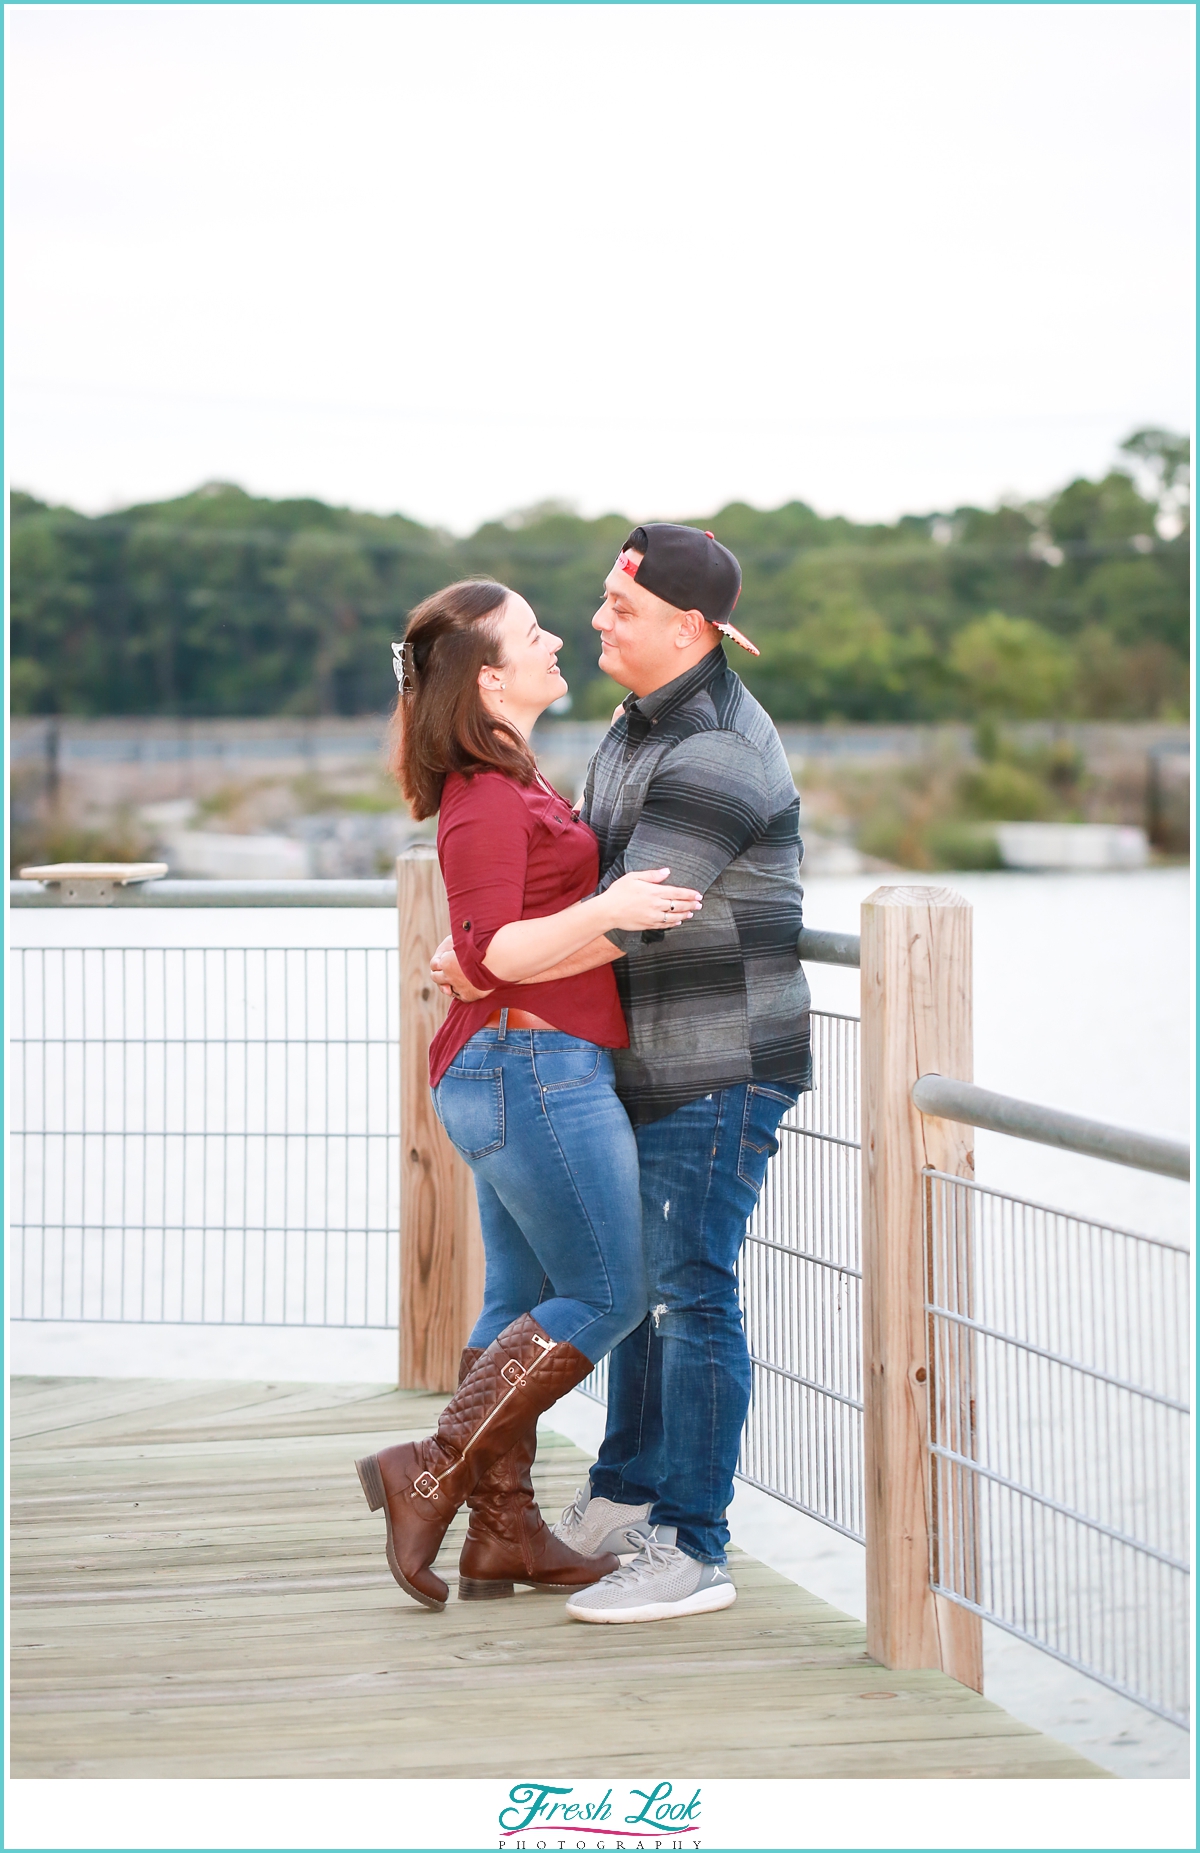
(534, 1114)
(679, 1386)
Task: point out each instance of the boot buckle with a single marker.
(514, 1373)
(426, 1484)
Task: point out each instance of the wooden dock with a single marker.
(199, 1591)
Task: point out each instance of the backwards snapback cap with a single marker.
(689, 569)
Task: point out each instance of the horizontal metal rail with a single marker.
(807, 1383)
(819, 947)
(1057, 1357)
(941, 1098)
(1034, 1639)
(380, 893)
(828, 948)
(970, 1465)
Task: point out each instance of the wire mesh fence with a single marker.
(801, 1290)
(1059, 1426)
(205, 1135)
(801, 1293)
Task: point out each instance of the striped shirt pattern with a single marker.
(694, 778)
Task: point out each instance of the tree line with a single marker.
(222, 603)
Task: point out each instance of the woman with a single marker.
(522, 1081)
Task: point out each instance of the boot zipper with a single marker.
(547, 1346)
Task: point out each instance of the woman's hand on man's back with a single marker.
(641, 901)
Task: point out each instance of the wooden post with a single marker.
(441, 1254)
(916, 1019)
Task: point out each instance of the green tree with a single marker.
(1167, 453)
(327, 581)
(218, 602)
(1011, 667)
(1110, 510)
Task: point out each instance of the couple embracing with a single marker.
(629, 1025)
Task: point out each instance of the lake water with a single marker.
(1082, 1001)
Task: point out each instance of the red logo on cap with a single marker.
(627, 565)
(709, 535)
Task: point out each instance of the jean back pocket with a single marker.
(470, 1105)
(567, 1062)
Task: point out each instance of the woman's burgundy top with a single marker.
(516, 852)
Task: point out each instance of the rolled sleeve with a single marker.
(484, 850)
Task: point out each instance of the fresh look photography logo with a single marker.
(560, 1815)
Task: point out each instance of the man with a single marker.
(691, 776)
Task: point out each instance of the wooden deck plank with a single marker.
(198, 1590)
(200, 1411)
(79, 1402)
(138, 1410)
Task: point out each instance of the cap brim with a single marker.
(731, 630)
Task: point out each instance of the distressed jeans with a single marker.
(534, 1114)
(679, 1386)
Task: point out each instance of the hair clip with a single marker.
(402, 664)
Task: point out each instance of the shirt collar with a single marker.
(660, 700)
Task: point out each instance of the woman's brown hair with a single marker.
(440, 724)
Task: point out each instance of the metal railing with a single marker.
(1069, 1132)
(204, 1135)
(800, 1276)
(219, 894)
(1059, 1427)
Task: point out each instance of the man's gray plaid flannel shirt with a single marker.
(694, 778)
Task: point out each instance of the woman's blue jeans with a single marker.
(534, 1114)
(679, 1387)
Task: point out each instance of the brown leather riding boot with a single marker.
(507, 1539)
(421, 1484)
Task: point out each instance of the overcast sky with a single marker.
(453, 260)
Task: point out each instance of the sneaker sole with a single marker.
(719, 1596)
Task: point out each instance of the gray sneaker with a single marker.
(592, 1526)
(659, 1582)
